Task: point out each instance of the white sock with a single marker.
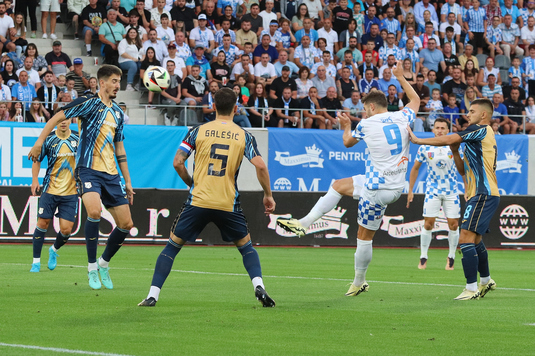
(257, 281)
(103, 263)
(88, 47)
(484, 280)
(472, 286)
(425, 242)
(154, 292)
(363, 257)
(37, 260)
(92, 266)
(54, 249)
(453, 240)
(325, 204)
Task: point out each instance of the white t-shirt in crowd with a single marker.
(268, 71)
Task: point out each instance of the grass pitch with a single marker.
(207, 306)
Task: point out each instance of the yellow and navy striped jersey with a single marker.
(100, 127)
(59, 178)
(480, 154)
(219, 149)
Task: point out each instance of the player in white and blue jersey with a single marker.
(475, 25)
(440, 192)
(101, 123)
(59, 192)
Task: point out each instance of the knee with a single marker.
(43, 223)
(127, 225)
(93, 213)
(428, 224)
(453, 225)
(65, 231)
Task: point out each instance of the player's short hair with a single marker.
(225, 100)
(107, 70)
(376, 97)
(486, 104)
(441, 119)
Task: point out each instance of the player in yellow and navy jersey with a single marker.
(481, 192)
(101, 122)
(59, 192)
(219, 148)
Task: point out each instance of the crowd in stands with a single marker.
(286, 56)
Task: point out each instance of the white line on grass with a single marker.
(55, 349)
(288, 277)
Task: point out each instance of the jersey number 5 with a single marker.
(393, 137)
(222, 157)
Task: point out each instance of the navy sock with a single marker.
(37, 241)
(470, 262)
(91, 239)
(483, 255)
(164, 263)
(251, 262)
(115, 241)
(60, 240)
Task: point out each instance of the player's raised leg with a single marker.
(65, 229)
(350, 187)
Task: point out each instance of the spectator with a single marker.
(508, 8)
(29, 7)
(330, 35)
(374, 36)
(422, 91)
(288, 8)
(346, 35)
(411, 35)
(391, 24)
(220, 69)
(268, 14)
(469, 70)
(157, 45)
(15, 113)
(326, 62)
(394, 102)
(49, 7)
(48, 94)
(222, 4)
(180, 65)
(122, 15)
(431, 81)
(407, 71)
(451, 113)
(368, 82)
(530, 116)
(265, 47)
(182, 48)
(93, 16)
(515, 110)
(455, 46)
(93, 87)
(475, 25)
(435, 108)
(259, 111)
(200, 60)
(313, 115)
(332, 105)
(323, 82)
(510, 36)
(388, 80)
(4, 112)
(171, 95)
(144, 15)
(81, 78)
(240, 116)
(74, 8)
(9, 75)
(494, 37)
(299, 17)
(165, 33)
(341, 16)
(6, 26)
(224, 30)
(283, 61)
(70, 91)
(348, 62)
(245, 69)
(306, 54)
(207, 102)
(369, 65)
(284, 81)
(255, 19)
(195, 87)
(133, 23)
(370, 20)
(110, 34)
(157, 12)
(357, 55)
(211, 16)
(18, 35)
(39, 62)
(466, 102)
(264, 71)
(355, 108)
(486, 71)
(23, 91)
(245, 35)
(184, 18)
(516, 71)
(429, 34)
(303, 83)
(33, 75)
(58, 61)
(285, 109)
(345, 84)
(449, 58)
(455, 86)
(500, 115)
(307, 30)
(432, 57)
(515, 84)
(419, 9)
(527, 34)
(130, 52)
(389, 49)
(5, 94)
(227, 15)
(451, 22)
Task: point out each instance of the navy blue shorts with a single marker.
(109, 187)
(67, 206)
(478, 213)
(191, 220)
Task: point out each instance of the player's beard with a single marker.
(113, 94)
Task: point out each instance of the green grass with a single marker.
(215, 313)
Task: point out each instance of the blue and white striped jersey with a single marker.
(441, 170)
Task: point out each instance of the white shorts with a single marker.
(50, 6)
(449, 203)
(372, 206)
(358, 184)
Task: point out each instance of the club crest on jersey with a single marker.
(118, 114)
(41, 210)
(431, 155)
(73, 143)
(450, 155)
(88, 185)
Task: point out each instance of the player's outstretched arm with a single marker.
(414, 99)
(262, 174)
(412, 180)
(180, 166)
(120, 154)
(36, 166)
(435, 141)
(36, 149)
(345, 125)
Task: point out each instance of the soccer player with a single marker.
(219, 147)
(440, 191)
(101, 141)
(59, 192)
(479, 167)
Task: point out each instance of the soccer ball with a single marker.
(156, 79)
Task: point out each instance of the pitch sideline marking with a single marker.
(287, 277)
(55, 349)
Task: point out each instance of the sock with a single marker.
(470, 264)
(325, 204)
(88, 47)
(425, 242)
(103, 263)
(164, 263)
(115, 241)
(483, 266)
(54, 249)
(251, 262)
(91, 239)
(363, 257)
(258, 281)
(453, 240)
(154, 292)
(472, 286)
(36, 260)
(92, 266)
(60, 241)
(37, 241)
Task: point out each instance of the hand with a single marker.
(269, 205)
(199, 99)
(35, 188)
(412, 136)
(35, 152)
(470, 35)
(398, 69)
(114, 46)
(129, 193)
(454, 147)
(345, 121)
(410, 197)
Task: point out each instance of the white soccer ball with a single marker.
(156, 79)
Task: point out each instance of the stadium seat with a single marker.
(481, 58)
(502, 62)
(504, 74)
